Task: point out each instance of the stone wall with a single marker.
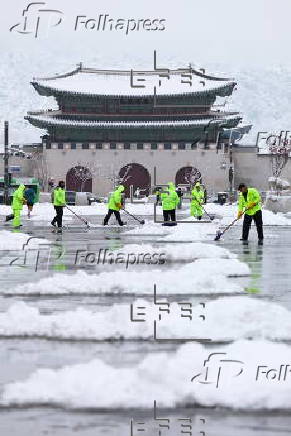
(249, 167)
(255, 169)
(167, 163)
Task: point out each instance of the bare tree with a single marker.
(85, 172)
(192, 176)
(279, 152)
(40, 168)
(113, 175)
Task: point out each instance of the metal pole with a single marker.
(231, 164)
(6, 164)
(231, 181)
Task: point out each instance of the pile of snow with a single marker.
(192, 232)
(149, 228)
(19, 241)
(203, 276)
(178, 252)
(226, 319)
(189, 376)
(269, 218)
(45, 211)
(40, 212)
(226, 210)
(273, 219)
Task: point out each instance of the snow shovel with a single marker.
(220, 233)
(134, 217)
(79, 217)
(211, 217)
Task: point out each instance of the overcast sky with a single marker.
(254, 32)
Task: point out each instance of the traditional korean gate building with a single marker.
(124, 123)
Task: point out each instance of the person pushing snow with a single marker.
(197, 200)
(114, 205)
(170, 201)
(18, 201)
(249, 205)
(59, 202)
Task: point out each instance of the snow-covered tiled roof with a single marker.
(53, 121)
(86, 81)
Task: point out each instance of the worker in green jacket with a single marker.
(170, 201)
(197, 200)
(250, 205)
(59, 202)
(114, 206)
(17, 204)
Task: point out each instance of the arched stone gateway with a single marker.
(136, 175)
(79, 179)
(186, 175)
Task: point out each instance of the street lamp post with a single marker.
(231, 169)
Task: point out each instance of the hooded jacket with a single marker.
(59, 196)
(18, 198)
(115, 198)
(197, 196)
(170, 198)
(171, 186)
(253, 196)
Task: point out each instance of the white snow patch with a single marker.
(19, 241)
(202, 276)
(226, 319)
(185, 252)
(174, 379)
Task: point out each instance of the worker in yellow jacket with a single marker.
(250, 205)
(59, 202)
(17, 204)
(115, 205)
(197, 200)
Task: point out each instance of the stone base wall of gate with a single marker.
(213, 166)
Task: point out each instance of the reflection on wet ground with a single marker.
(270, 279)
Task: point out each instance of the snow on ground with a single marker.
(149, 228)
(102, 209)
(226, 210)
(187, 231)
(176, 379)
(45, 211)
(273, 219)
(201, 277)
(226, 319)
(19, 241)
(192, 232)
(177, 252)
(229, 212)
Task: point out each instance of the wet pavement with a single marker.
(270, 279)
